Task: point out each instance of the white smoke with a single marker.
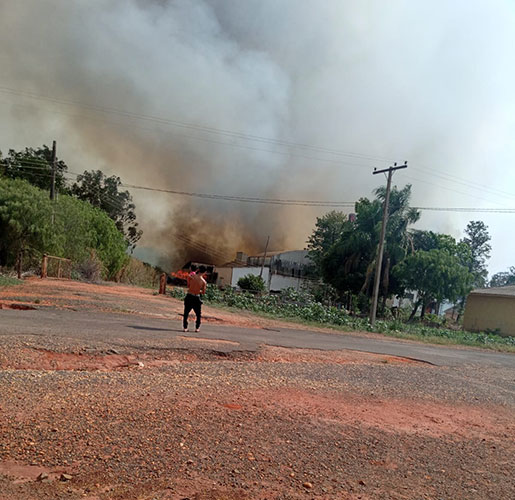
(427, 82)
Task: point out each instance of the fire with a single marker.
(181, 274)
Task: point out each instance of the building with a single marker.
(491, 309)
(279, 270)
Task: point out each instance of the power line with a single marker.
(277, 201)
(448, 189)
(255, 138)
(465, 182)
(316, 203)
(245, 199)
(467, 209)
(182, 124)
(230, 144)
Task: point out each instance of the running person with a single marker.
(196, 288)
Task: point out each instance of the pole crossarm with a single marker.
(390, 169)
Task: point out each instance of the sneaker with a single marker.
(197, 329)
(185, 330)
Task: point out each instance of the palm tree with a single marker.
(397, 242)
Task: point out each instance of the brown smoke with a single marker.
(336, 74)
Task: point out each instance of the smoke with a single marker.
(420, 81)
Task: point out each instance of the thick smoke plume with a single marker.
(421, 81)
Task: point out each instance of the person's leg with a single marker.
(187, 308)
(198, 312)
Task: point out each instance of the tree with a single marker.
(436, 274)
(104, 192)
(503, 278)
(429, 240)
(34, 166)
(252, 283)
(348, 263)
(328, 230)
(67, 227)
(477, 238)
(25, 221)
(400, 217)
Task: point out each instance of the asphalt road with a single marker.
(125, 329)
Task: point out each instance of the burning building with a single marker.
(279, 270)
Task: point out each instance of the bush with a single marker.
(303, 306)
(90, 269)
(31, 224)
(252, 283)
(136, 272)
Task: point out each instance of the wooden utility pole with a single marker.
(380, 248)
(44, 266)
(162, 284)
(264, 257)
(54, 168)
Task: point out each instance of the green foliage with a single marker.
(25, 219)
(504, 278)
(477, 239)
(435, 274)
(8, 281)
(104, 193)
(328, 230)
(345, 251)
(252, 283)
(300, 306)
(429, 240)
(68, 227)
(34, 166)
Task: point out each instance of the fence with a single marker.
(56, 267)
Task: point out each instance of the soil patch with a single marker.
(211, 341)
(273, 354)
(432, 419)
(42, 359)
(22, 473)
(17, 306)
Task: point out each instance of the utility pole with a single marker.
(54, 167)
(264, 257)
(380, 249)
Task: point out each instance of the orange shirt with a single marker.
(196, 284)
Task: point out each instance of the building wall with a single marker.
(240, 272)
(279, 282)
(489, 313)
(297, 256)
(224, 276)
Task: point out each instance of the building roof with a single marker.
(233, 263)
(268, 254)
(498, 291)
(276, 252)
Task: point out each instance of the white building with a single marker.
(279, 270)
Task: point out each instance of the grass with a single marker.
(300, 308)
(7, 281)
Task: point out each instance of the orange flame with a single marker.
(181, 274)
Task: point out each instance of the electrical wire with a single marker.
(276, 201)
(260, 139)
(182, 124)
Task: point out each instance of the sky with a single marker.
(282, 99)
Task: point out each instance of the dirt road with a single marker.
(201, 419)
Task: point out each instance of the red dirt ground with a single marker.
(110, 297)
(280, 424)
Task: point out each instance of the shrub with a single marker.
(31, 225)
(302, 305)
(90, 269)
(136, 272)
(252, 283)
